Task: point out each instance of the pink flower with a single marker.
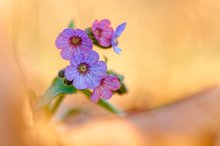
(103, 32)
(105, 90)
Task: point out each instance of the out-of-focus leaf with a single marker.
(71, 25)
(56, 88)
(120, 77)
(72, 112)
(122, 90)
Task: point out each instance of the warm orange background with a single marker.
(170, 48)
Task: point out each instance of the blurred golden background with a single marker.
(170, 49)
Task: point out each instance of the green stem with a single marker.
(56, 104)
(105, 104)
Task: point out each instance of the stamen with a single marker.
(75, 40)
(98, 32)
(83, 68)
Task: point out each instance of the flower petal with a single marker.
(68, 32)
(80, 82)
(108, 32)
(67, 53)
(78, 58)
(105, 93)
(93, 81)
(91, 57)
(104, 23)
(99, 68)
(120, 29)
(95, 95)
(104, 42)
(62, 42)
(80, 32)
(71, 73)
(94, 25)
(86, 43)
(111, 82)
(116, 49)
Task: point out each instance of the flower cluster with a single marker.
(86, 71)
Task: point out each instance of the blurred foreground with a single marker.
(190, 122)
(170, 52)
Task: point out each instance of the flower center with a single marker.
(83, 68)
(98, 32)
(75, 40)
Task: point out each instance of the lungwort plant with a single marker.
(86, 73)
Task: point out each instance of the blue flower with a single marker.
(72, 41)
(115, 36)
(85, 70)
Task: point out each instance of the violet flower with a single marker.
(73, 41)
(105, 90)
(86, 71)
(117, 33)
(102, 32)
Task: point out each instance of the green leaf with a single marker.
(57, 88)
(71, 25)
(122, 90)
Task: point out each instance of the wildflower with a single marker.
(105, 90)
(73, 41)
(117, 33)
(102, 32)
(86, 71)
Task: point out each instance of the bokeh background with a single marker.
(170, 49)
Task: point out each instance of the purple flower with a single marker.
(73, 41)
(86, 71)
(103, 32)
(105, 90)
(117, 33)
